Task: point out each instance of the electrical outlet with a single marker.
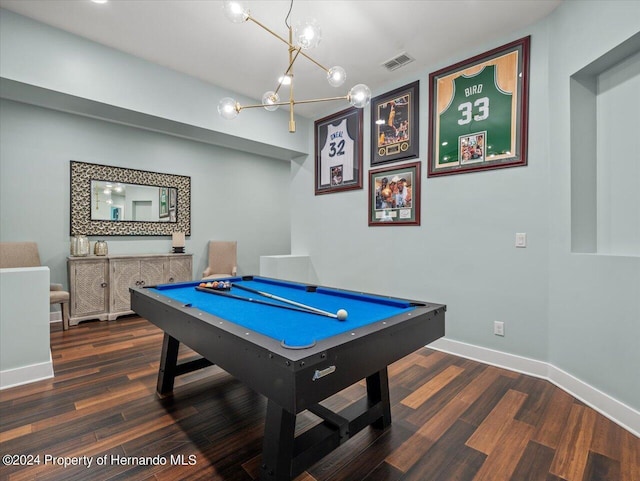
(498, 328)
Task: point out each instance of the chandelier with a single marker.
(306, 35)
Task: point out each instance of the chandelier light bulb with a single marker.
(359, 96)
(228, 108)
(268, 99)
(307, 34)
(235, 11)
(336, 76)
(285, 80)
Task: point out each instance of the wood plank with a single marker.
(129, 391)
(500, 420)
(449, 458)
(428, 389)
(417, 445)
(607, 438)
(504, 457)
(534, 407)
(573, 449)
(629, 457)
(554, 419)
(480, 409)
(534, 464)
(15, 433)
(437, 402)
(601, 468)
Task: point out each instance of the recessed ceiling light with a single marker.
(99, 1)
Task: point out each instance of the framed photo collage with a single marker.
(478, 119)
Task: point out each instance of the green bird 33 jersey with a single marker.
(478, 106)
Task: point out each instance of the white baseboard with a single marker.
(26, 374)
(616, 411)
(55, 316)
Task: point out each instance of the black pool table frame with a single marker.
(294, 380)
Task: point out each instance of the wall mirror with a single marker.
(113, 201)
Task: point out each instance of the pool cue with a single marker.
(250, 299)
(287, 301)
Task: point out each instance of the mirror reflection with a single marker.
(117, 201)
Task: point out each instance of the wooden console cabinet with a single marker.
(99, 285)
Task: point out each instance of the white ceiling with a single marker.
(194, 37)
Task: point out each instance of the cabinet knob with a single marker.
(142, 283)
(104, 284)
(171, 279)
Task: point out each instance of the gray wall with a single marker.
(233, 194)
(581, 313)
(594, 299)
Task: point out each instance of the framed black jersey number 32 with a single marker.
(338, 151)
(479, 111)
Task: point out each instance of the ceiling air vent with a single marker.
(397, 62)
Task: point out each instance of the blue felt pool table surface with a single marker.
(290, 326)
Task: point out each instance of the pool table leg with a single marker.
(168, 362)
(277, 447)
(378, 392)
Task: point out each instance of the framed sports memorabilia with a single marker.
(164, 202)
(338, 152)
(394, 195)
(394, 125)
(479, 112)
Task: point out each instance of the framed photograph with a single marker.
(116, 213)
(478, 112)
(163, 209)
(394, 125)
(394, 195)
(173, 195)
(338, 152)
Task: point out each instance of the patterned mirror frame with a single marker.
(83, 173)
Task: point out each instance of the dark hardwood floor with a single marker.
(453, 419)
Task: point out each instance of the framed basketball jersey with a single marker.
(338, 151)
(478, 112)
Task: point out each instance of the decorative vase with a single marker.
(100, 248)
(80, 246)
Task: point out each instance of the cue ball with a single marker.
(342, 315)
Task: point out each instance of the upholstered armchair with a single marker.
(25, 254)
(223, 260)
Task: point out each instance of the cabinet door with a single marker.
(180, 269)
(124, 273)
(89, 289)
(151, 271)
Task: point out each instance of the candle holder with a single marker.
(177, 242)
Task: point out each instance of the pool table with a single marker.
(294, 357)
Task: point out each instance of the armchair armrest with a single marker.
(55, 287)
(207, 272)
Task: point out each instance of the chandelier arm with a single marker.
(287, 71)
(327, 99)
(288, 43)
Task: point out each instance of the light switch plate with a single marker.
(521, 239)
